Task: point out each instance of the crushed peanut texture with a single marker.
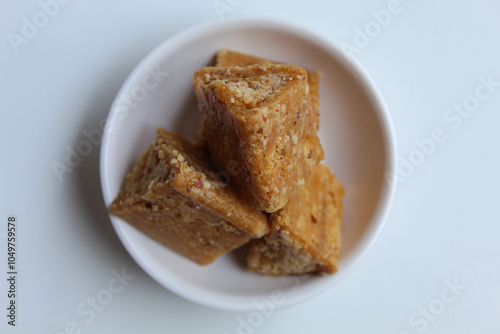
(252, 90)
(227, 58)
(174, 196)
(305, 234)
(269, 130)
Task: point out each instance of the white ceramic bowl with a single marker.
(355, 131)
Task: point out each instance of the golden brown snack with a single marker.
(173, 196)
(305, 234)
(261, 128)
(226, 58)
(313, 80)
(199, 136)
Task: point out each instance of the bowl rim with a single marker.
(349, 63)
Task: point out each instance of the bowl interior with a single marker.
(354, 132)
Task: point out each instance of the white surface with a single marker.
(352, 112)
(443, 225)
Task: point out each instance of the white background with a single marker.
(443, 227)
